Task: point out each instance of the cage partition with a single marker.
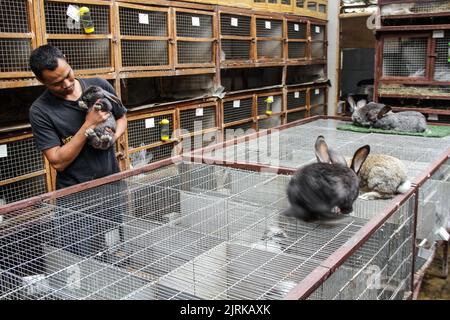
(236, 39)
(17, 37)
(195, 39)
(237, 109)
(150, 137)
(23, 171)
(318, 101)
(144, 38)
(318, 41)
(297, 38)
(269, 39)
(90, 53)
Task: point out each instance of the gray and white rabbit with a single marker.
(102, 137)
(380, 116)
(325, 191)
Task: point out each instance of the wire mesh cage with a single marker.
(287, 6)
(144, 34)
(317, 101)
(236, 3)
(269, 104)
(318, 42)
(239, 130)
(197, 119)
(17, 38)
(381, 269)
(296, 99)
(269, 39)
(22, 169)
(297, 40)
(237, 109)
(442, 65)
(150, 137)
(86, 53)
(236, 37)
(195, 38)
(414, 7)
(271, 122)
(296, 115)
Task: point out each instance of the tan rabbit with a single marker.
(382, 177)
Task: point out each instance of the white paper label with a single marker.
(438, 34)
(433, 117)
(73, 12)
(317, 29)
(236, 103)
(199, 112)
(296, 95)
(317, 91)
(149, 123)
(234, 22)
(143, 18)
(196, 21)
(268, 25)
(296, 27)
(3, 150)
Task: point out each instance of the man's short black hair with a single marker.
(45, 58)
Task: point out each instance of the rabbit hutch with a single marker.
(224, 101)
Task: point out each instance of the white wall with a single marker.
(333, 45)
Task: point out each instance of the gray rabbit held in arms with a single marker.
(102, 137)
(325, 191)
(378, 115)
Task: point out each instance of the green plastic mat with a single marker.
(432, 131)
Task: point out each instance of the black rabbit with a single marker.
(102, 137)
(325, 190)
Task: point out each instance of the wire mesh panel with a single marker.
(235, 25)
(269, 28)
(151, 48)
(236, 110)
(404, 57)
(198, 119)
(275, 107)
(417, 7)
(381, 269)
(22, 170)
(269, 50)
(17, 43)
(235, 49)
(318, 50)
(239, 130)
(297, 30)
(268, 123)
(142, 157)
(191, 27)
(198, 141)
(442, 65)
(88, 53)
(147, 130)
(296, 99)
(405, 90)
(297, 115)
(297, 50)
(318, 42)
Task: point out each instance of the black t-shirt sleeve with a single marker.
(43, 131)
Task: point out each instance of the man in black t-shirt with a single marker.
(59, 126)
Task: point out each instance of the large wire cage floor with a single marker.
(186, 231)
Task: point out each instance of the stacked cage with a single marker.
(317, 101)
(413, 56)
(238, 116)
(17, 38)
(144, 38)
(269, 39)
(235, 39)
(297, 38)
(318, 41)
(195, 39)
(317, 9)
(270, 109)
(198, 126)
(150, 137)
(296, 104)
(23, 171)
(87, 53)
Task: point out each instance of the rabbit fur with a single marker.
(326, 190)
(100, 99)
(378, 115)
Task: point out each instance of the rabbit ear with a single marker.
(359, 157)
(322, 150)
(383, 111)
(361, 103)
(352, 103)
(336, 158)
(112, 97)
